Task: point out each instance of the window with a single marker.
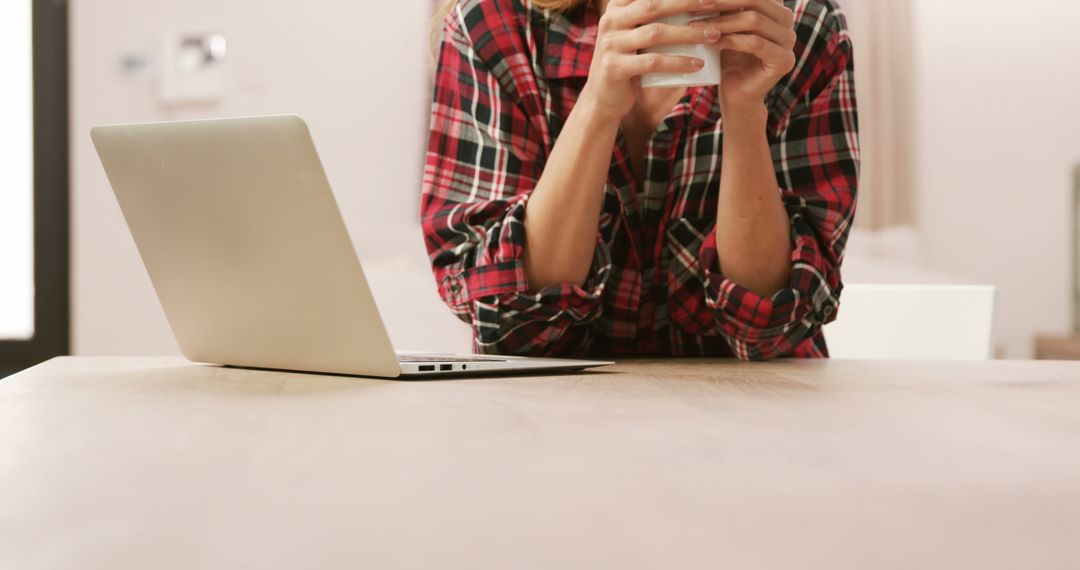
(33, 183)
(16, 164)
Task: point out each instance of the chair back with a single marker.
(918, 322)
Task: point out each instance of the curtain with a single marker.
(882, 35)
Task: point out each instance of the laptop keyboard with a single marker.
(446, 358)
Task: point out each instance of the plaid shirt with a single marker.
(508, 75)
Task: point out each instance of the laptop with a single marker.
(249, 255)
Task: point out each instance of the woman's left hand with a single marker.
(758, 48)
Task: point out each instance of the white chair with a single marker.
(929, 322)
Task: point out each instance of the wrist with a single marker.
(594, 114)
(751, 116)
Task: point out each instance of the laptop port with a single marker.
(427, 368)
(445, 367)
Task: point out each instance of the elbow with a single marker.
(761, 278)
(551, 273)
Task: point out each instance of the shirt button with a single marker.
(455, 288)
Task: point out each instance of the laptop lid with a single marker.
(245, 245)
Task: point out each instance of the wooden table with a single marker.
(156, 463)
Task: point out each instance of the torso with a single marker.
(660, 200)
(640, 124)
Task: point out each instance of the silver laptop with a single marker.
(249, 255)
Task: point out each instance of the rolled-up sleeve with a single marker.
(484, 159)
(815, 149)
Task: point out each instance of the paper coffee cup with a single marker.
(707, 75)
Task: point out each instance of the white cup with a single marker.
(707, 75)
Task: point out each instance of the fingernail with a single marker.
(707, 2)
(698, 63)
(713, 34)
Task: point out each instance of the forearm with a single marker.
(563, 212)
(753, 240)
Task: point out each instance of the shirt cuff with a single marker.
(810, 299)
(499, 274)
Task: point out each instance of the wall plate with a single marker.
(192, 68)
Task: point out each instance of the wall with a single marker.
(998, 106)
(355, 70)
(996, 91)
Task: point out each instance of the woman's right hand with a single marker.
(627, 27)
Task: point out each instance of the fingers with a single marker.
(629, 14)
(652, 35)
(638, 65)
(771, 55)
(627, 66)
(772, 9)
(750, 22)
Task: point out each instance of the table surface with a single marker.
(157, 463)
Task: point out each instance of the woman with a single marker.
(568, 212)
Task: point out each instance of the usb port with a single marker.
(427, 368)
(445, 367)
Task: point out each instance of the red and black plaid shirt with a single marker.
(508, 76)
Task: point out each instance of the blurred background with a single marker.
(968, 108)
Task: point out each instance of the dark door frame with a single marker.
(51, 192)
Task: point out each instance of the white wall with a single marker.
(998, 106)
(355, 70)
